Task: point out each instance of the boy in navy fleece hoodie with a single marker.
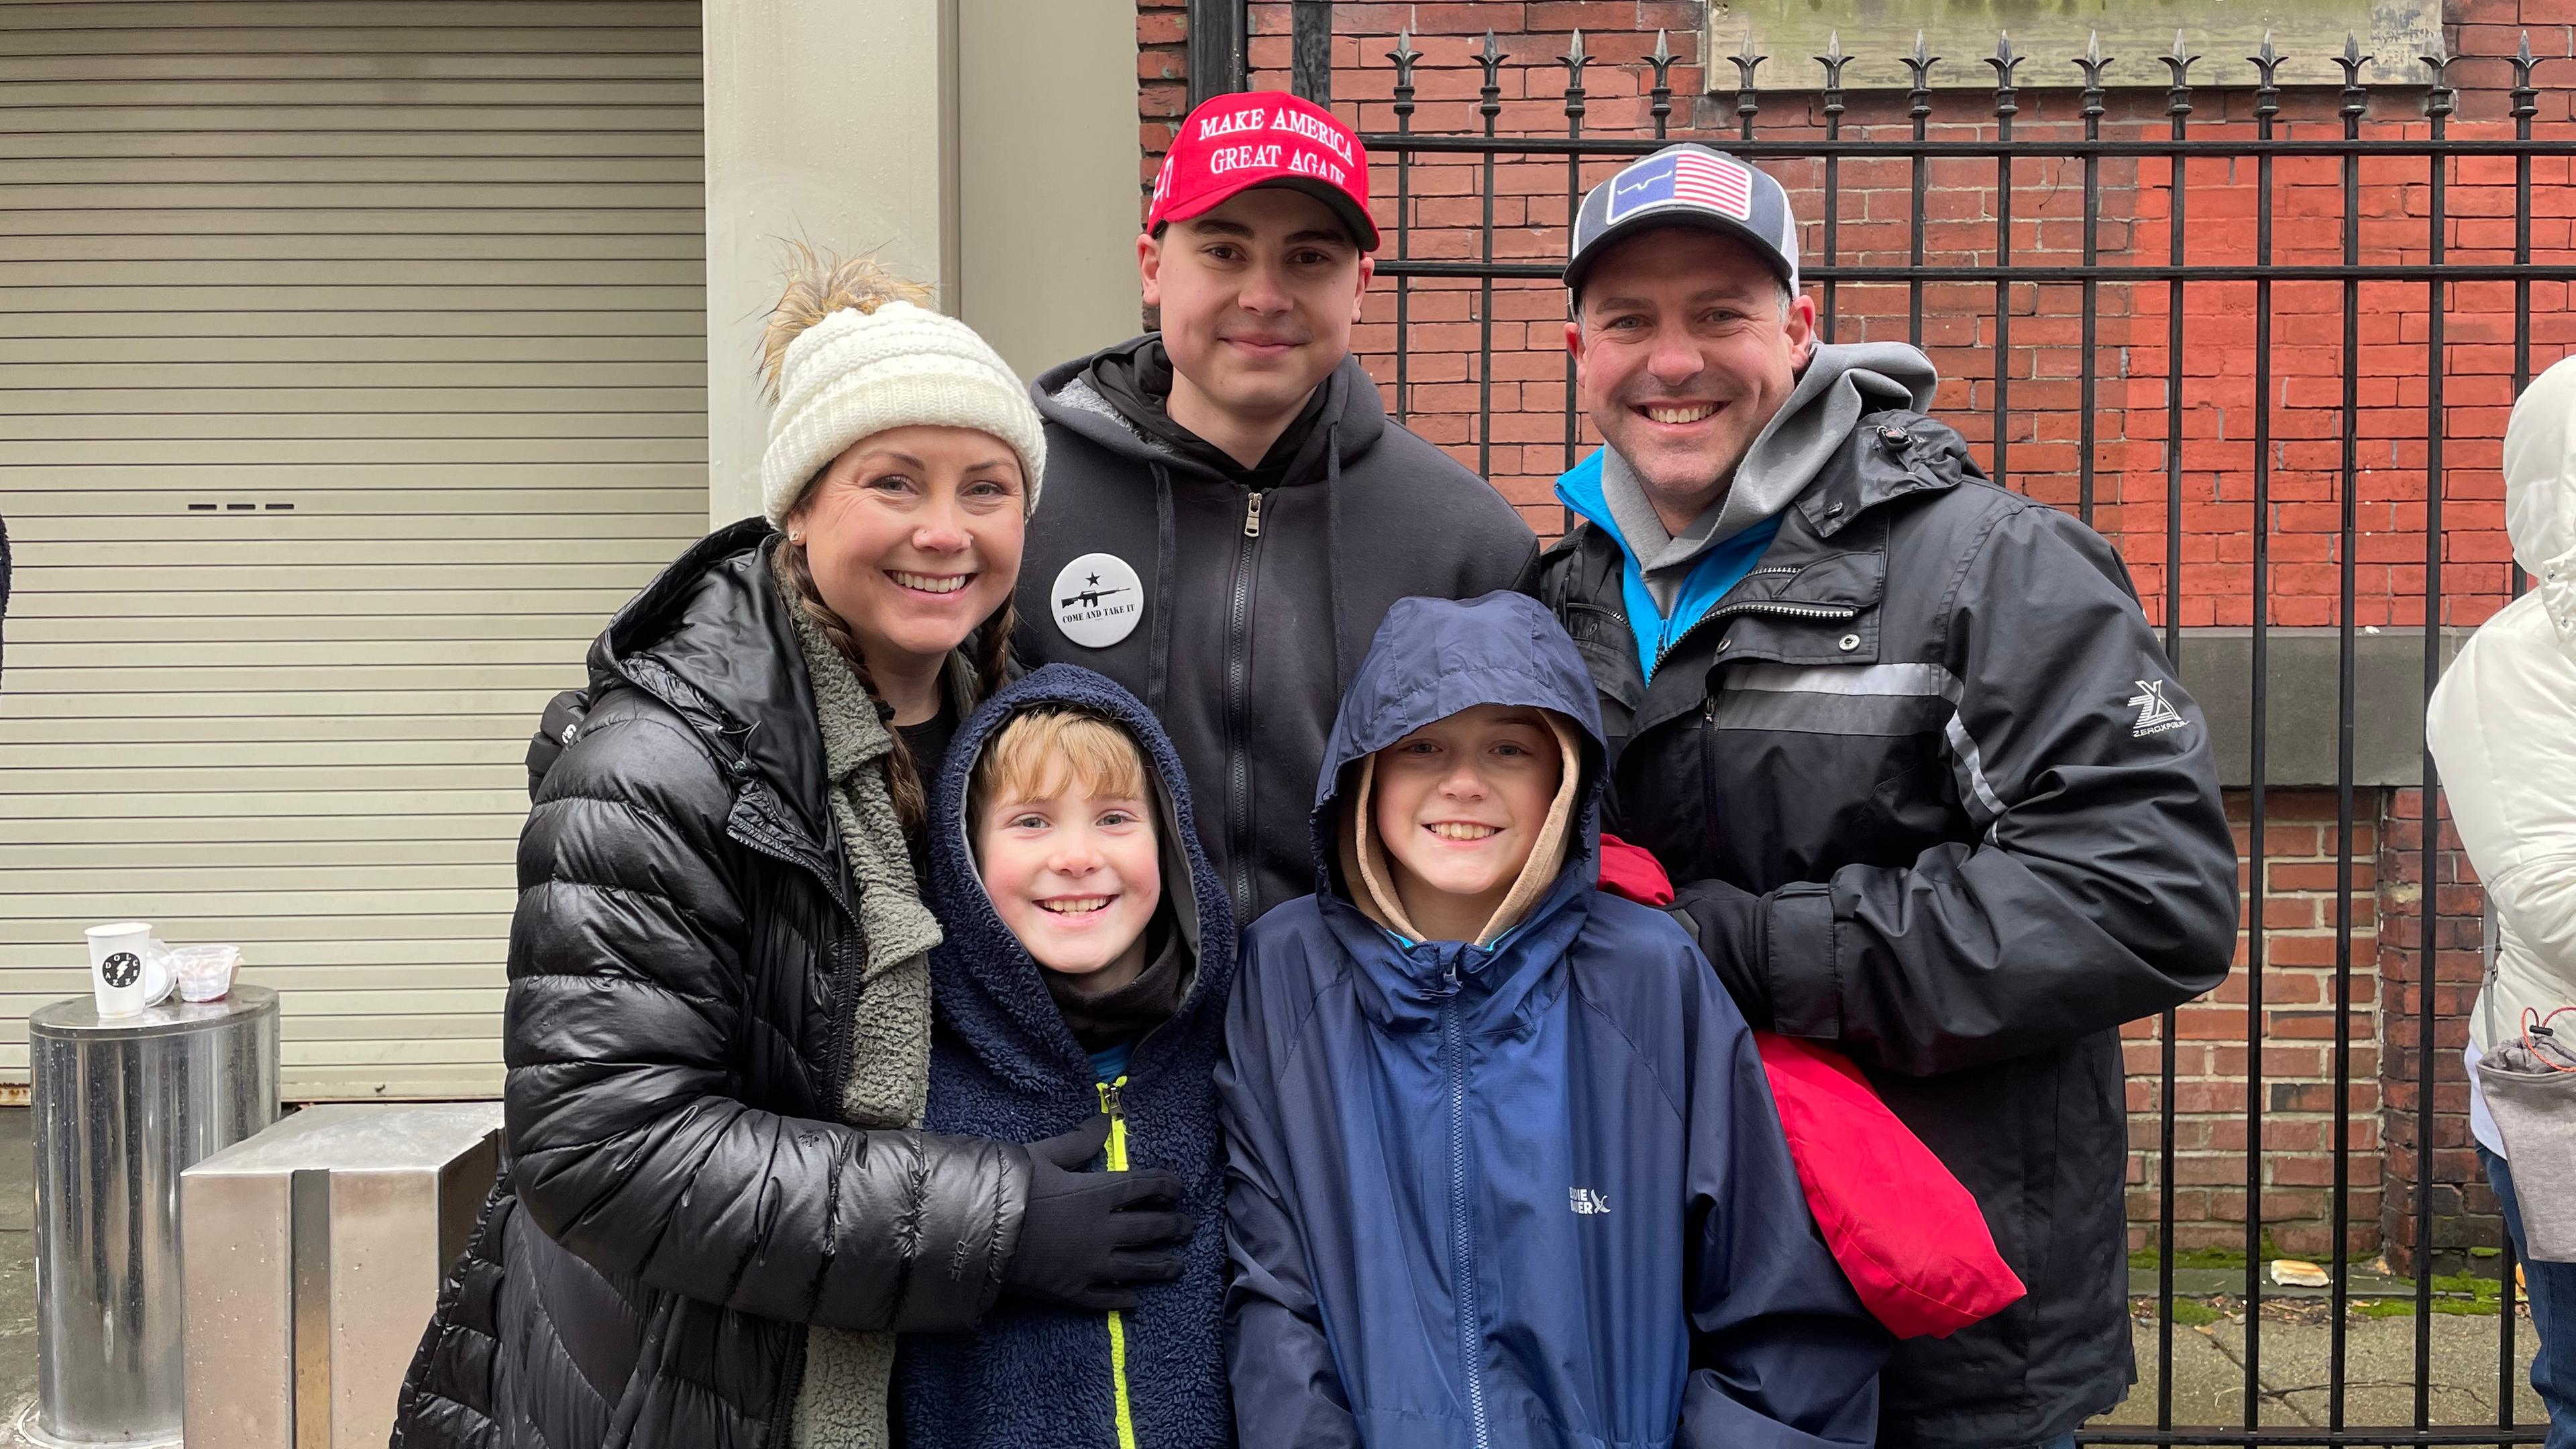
(1084, 973)
(1503, 1170)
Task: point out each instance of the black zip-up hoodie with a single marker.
(1258, 602)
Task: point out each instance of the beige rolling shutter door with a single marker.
(352, 371)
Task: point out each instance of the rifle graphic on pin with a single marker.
(1090, 598)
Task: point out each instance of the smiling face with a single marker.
(1459, 805)
(913, 536)
(1064, 837)
(1683, 352)
(1258, 296)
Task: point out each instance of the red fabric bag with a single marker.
(1908, 1235)
(1633, 872)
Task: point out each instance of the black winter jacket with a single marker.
(1256, 608)
(679, 1199)
(1929, 792)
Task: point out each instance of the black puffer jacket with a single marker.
(679, 1199)
(1930, 792)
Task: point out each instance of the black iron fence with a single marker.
(2251, 137)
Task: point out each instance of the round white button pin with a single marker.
(1097, 600)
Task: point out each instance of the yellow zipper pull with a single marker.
(1117, 1124)
(1252, 516)
(1124, 1408)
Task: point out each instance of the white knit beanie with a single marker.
(855, 374)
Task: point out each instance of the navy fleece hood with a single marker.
(1004, 1064)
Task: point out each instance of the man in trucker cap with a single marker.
(1927, 787)
(1229, 511)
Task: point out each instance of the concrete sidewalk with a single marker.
(2208, 1376)
(2379, 1373)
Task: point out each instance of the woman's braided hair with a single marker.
(819, 284)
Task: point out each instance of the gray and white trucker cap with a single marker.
(1687, 185)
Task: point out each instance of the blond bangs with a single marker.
(1045, 754)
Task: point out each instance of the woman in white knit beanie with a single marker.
(717, 1208)
(904, 460)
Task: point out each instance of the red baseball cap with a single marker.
(1233, 143)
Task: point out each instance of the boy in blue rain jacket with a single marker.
(1502, 1167)
(1083, 976)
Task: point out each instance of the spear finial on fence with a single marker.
(1574, 60)
(1833, 60)
(2439, 99)
(2093, 62)
(2526, 99)
(1490, 102)
(1920, 63)
(2267, 91)
(2355, 99)
(1662, 61)
(2005, 63)
(2178, 94)
(1746, 101)
(1404, 56)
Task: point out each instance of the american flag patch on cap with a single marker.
(1687, 177)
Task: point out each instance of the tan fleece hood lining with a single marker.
(1370, 876)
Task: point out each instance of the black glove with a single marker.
(1086, 1237)
(1729, 926)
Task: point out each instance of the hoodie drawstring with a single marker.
(1159, 664)
(1343, 665)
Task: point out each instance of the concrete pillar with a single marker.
(1049, 198)
(987, 149)
(828, 121)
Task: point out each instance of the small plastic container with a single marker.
(205, 972)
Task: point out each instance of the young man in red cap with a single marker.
(1229, 511)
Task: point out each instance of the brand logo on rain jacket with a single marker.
(2156, 714)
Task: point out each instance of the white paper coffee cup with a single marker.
(129, 971)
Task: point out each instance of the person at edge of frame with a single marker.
(2500, 726)
(1230, 512)
(1929, 789)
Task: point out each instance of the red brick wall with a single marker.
(2463, 1210)
(2300, 845)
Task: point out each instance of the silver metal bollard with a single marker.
(122, 1107)
(315, 1252)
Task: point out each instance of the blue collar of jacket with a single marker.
(1711, 575)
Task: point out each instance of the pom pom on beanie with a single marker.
(872, 364)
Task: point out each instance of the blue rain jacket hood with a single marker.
(1004, 1064)
(1522, 1194)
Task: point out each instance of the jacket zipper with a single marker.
(1238, 669)
(1471, 1337)
(1117, 1152)
(1792, 611)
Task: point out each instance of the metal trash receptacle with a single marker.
(122, 1107)
(314, 1255)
